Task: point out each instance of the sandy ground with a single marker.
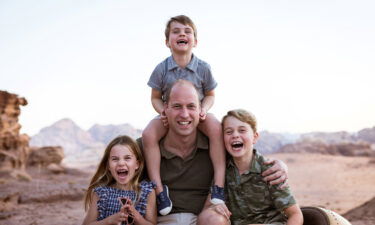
(334, 182)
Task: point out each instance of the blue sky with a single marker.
(299, 66)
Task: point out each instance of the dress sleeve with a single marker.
(103, 199)
(146, 188)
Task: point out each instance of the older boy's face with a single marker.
(181, 38)
(239, 137)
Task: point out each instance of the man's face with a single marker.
(182, 110)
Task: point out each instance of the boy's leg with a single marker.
(211, 127)
(151, 136)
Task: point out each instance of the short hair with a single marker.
(180, 19)
(242, 115)
(167, 94)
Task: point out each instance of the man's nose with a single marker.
(184, 112)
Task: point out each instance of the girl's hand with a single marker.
(117, 218)
(131, 213)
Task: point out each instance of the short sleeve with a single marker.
(156, 78)
(146, 188)
(209, 83)
(103, 199)
(282, 198)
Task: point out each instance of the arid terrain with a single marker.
(335, 182)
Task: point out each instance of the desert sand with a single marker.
(334, 182)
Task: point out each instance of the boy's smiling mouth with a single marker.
(237, 145)
(182, 42)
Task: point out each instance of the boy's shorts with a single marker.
(178, 218)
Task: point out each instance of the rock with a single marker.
(45, 156)
(14, 146)
(54, 168)
(9, 202)
(20, 175)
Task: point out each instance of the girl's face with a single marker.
(181, 38)
(122, 165)
(239, 137)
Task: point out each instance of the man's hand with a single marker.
(277, 174)
(221, 209)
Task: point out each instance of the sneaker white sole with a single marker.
(216, 201)
(167, 210)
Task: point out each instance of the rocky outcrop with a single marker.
(45, 156)
(14, 147)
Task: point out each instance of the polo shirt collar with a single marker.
(255, 166)
(202, 143)
(193, 64)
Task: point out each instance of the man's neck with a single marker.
(181, 146)
(182, 60)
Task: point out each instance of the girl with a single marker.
(115, 195)
(250, 199)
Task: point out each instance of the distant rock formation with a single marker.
(367, 134)
(271, 142)
(105, 133)
(322, 147)
(329, 137)
(81, 147)
(14, 146)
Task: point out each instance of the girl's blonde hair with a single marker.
(244, 116)
(103, 176)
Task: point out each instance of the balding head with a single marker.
(180, 84)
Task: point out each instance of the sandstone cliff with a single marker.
(14, 147)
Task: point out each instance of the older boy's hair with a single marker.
(244, 116)
(180, 19)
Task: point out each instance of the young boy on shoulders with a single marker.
(181, 38)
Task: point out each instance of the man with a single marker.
(186, 167)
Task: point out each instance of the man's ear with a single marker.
(195, 43)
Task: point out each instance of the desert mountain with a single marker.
(80, 146)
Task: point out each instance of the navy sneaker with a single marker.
(217, 195)
(163, 202)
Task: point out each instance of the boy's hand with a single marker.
(277, 174)
(202, 115)
(164, 119)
